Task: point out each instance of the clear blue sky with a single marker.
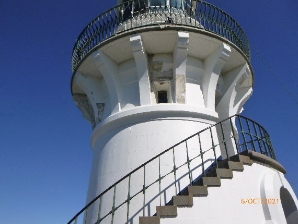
(45, 157)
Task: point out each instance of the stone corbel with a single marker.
(213, 65)
(109, 70)
(90, 86)
(82, 102)
(141, 62)
(232, 98)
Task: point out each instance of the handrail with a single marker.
(138, 13)
(236, 132)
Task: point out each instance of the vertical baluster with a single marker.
(174, 169)
(188, 164)
(159, 180)
(242, 133)
(99, 209)
(263, 145)
(234, 136)
(224, 140)
(257, 136)
(202, 155)
(213, 147)
(144, 189)
(113, 207)
(76, 220)
(250, 134)
(266, 143)
(272, 154)
(128, 199)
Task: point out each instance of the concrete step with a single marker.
(235, 166)
(222, 173)
(166, 211)
(211, 181)
(149, 220)
(182, 200)
(198, 191)
(242, 158)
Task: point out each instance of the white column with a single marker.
(213, 65)
(109, 70)
(180, 59)
(141, 62)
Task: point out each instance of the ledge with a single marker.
(264, 159)
(142, 114)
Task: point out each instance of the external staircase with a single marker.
(250, 140)
(199, 188)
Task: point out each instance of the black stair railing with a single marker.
(206, 147)
(139, 13)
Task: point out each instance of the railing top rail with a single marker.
(201, 15)
(170, 148)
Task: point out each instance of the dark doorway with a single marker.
(162, 96)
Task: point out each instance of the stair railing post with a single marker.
(202, 156)
(128, 198)
(224, 140)
(234, 137)
(213, 147)
(159, 181)
(188, 165)
(144, 189)
(99, 208)
(113, 207)
(174, 169)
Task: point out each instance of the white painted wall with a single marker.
(132, 142)
(223, 204)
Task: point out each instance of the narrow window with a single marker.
(162, 96)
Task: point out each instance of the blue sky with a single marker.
(45, 153)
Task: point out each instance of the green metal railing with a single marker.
(234, 135)
(139, 13)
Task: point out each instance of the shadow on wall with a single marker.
(289, 206)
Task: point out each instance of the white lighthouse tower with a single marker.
(162, 83)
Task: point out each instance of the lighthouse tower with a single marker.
(162, 83)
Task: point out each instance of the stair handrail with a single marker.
(255, 133)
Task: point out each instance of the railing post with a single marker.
(188, 165)
(174, 170)
(242, 133)
(99, 208)
(202, 156)
(234, 137)
(144, 189)
(113, 207)
(250, 134)
(213, 147)
(128, 199)
(224, 140)
(159, 180)
(258, 137)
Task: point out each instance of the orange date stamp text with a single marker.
(256, 201)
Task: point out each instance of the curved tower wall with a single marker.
(198, 78)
